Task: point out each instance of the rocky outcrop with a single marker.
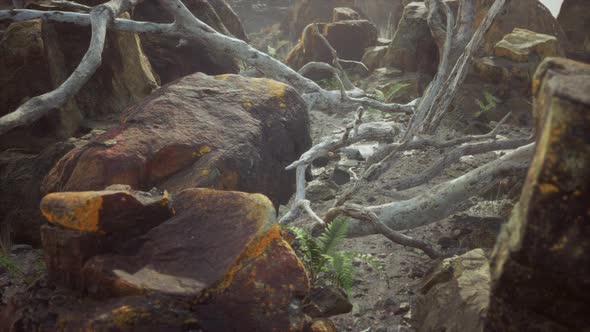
(455, 295)
(257, 15)
(548, 236)
(525, 14)
(36, 57)
(574, 18)
(226, 132)
(516, 57)
(383, 13)
(349, 38)
(413, 48)
(171, 60)
(21, 174)
(218, 264)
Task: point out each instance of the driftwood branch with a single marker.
(370, 218)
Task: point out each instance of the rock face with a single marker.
(227, 132)
(574, 18)
(36, 57)
(455, 295)
(413, 48)
(21, 174)
(349, 38)
(259, 14)
(383, 13)
(221, 253)
(171, 62)
(548, 234)
(516, 57)
(525, 14)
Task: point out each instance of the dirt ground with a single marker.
(383, 300)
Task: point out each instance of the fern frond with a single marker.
(343, 270)
(334, 234)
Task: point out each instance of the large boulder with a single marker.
(383, 13)
(455, 295)
(21, 174)
(516, 57)
(228, 132)
(574, 18)
(525, 14)
(172, 59)
(413, 49)
(36, 57)
(222, 253)
(349, 38)
(541, 263)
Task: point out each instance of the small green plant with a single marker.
(487, 106)
(323, 260)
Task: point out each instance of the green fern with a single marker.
(334, 235)
(488, 105)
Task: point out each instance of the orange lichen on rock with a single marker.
(78, 211)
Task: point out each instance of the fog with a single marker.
(553, 5)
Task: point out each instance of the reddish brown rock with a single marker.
(227, 132)
(171, 60)
(36, 57)
(383, 13)
(541, 263)
(222, 248)
(348, 38)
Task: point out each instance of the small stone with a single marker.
(403, 308)
(340, 176)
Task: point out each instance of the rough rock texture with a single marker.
(171, 62)
(227, 132)
(222, 251)
(525, 14)
(36, 57)
(21, 174)
(574, 18)
(348, 38)
(548, 236)
(521, 44)
(373, 57)
(383, 13)
(516, 57)
(455, 295)
(413, 48)
(259, 14)
(327, 301)
(344, 14)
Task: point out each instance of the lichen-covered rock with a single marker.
(106, 212)
(383, 13)
(36, 57)
(525, 14)
(222, 249)
(455, 295)
(574, 18)
(348, 38)
(171, 60)
(521, 44)
(516, 58)
(227, 132)
(549, 232)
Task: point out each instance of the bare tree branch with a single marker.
(365, 215)
(101, 17)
